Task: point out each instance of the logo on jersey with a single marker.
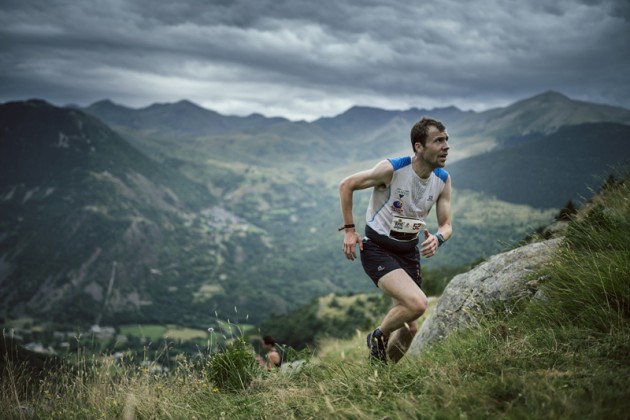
(401, 193)
(397, 206)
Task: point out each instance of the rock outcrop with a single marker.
(504, 278)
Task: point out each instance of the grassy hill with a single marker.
(563, 356)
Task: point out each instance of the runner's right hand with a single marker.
(350, 242)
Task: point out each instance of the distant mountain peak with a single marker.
(552, 94)
(450, 108)
(107, 104)
(183, 105)
(361, 111)
(38, 102)
(188, 104)
(103, 102)
(550, 98)
(354, 112)
(357, 108)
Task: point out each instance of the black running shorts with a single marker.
(382, 255)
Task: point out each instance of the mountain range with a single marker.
(175, 213)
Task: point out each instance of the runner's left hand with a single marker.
(430, 245)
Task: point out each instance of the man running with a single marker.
(403, 191)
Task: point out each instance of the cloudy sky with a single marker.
(303, 59)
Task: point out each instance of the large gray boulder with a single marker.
(504, 278)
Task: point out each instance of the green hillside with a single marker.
(90, 225)
(547, 171)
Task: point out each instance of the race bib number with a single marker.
(405, 228)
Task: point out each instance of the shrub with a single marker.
(235, 368)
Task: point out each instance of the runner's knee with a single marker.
(417, 305)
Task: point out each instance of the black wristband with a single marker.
(348, 226)
(440, 239)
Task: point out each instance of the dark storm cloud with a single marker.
(299, 58)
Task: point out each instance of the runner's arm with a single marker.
(379, 176)
(443, 211)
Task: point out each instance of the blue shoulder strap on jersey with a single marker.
(400, 162)
(441, 173)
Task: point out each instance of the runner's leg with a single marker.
(400, 340)
(410, 301)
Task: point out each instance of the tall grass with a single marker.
(589, 282)
(565, 354)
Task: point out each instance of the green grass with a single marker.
(19, 322)
(180, 333)
(564, 355)
(148, 331)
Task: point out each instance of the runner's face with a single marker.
(435, 151)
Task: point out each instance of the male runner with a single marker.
(403, 192)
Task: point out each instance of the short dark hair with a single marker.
(420, 130)
(269, 340)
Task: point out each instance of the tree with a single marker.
(610, 182)
(567, 212)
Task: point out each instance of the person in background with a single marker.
(273, 356)
(404, 190)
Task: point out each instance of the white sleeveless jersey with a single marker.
(399, 210)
